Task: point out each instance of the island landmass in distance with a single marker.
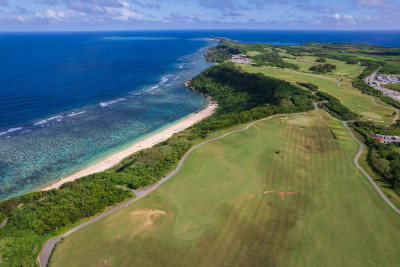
(288, 121)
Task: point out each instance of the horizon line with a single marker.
(206, 29)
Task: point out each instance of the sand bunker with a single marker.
(371, 115)
(282, 193)
(285, 118)
(148, 214)
(299, 121)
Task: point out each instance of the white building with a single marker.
(241, 59)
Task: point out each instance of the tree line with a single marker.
(38, 216)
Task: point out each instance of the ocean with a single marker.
(68, 100)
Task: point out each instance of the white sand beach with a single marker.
(150, 141)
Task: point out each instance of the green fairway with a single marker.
(361, 104)
(342, 70)
(253, 53)
(214, 211)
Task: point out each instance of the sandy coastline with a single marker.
(148, 142)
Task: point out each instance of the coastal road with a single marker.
(49, 246)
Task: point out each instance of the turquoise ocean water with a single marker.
(70, 99)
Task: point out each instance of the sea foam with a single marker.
(11, 130)
(58, 118)
(106, 104)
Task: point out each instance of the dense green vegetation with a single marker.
(242, 97)
(274, 59)
(384, 158)
(323, 68)
(35, 217)
(336, 108)
(238, 91)
(360, 84)
(310, 86)
(216, 214)
(220, 53)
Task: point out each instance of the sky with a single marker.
(77, 15)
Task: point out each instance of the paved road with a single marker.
(387, 92)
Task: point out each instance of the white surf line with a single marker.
(147, 142)
(48, 247)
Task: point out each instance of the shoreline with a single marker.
(155, 138)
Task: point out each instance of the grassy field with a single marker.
(214, 211)
(384, 184)
(253, 53)
(360, 104)
(342, 70)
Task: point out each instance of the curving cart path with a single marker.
(366, 174)
(49, 246)
(359, 93)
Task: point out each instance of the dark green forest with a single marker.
(242, 97)
(38, 216)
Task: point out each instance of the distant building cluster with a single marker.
(241, 59)
(386, 139)
(387, 79)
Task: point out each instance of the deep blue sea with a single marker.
(70, 99)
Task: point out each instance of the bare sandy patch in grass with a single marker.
(147, 214)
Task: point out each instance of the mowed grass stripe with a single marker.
(217, 215)
(350, 97)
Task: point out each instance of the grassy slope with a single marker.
(384, 184)
(360, 104)
(216, 213)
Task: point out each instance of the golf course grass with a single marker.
(214, 212)
(342, 70)
(361, 104)
(253, 53)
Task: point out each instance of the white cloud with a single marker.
(336, 16)
(126, 13)
(372, 2)
(348, 17)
